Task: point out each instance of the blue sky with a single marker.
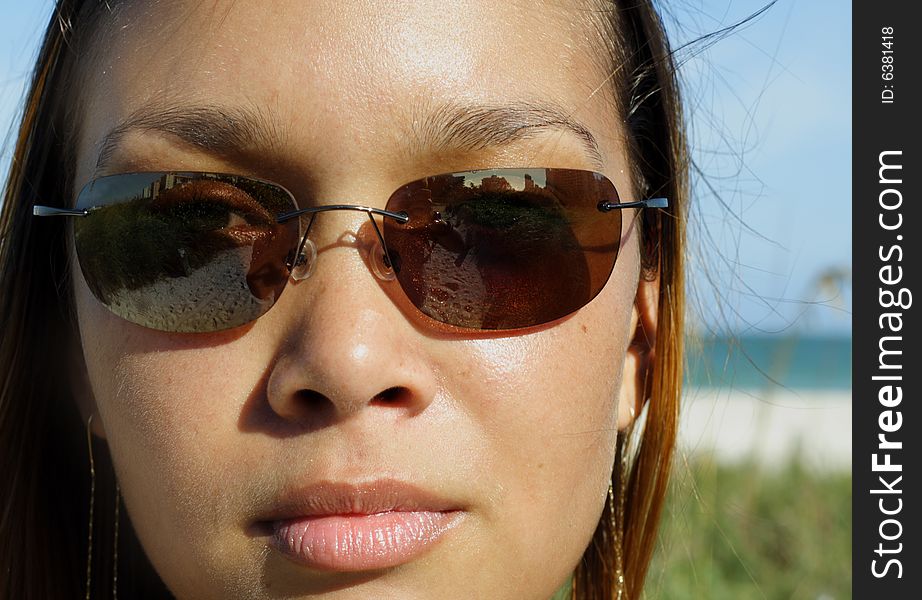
(770, 123)
(769, 111)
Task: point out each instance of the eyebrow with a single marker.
(226, 131)
(478, 127)
(215, 129)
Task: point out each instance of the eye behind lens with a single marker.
(204, 254)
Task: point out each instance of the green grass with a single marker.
(745, 531)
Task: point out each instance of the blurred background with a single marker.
(760, 505)
(761, 495)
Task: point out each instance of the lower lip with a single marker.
(361, 542)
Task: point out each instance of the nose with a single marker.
(345, 347)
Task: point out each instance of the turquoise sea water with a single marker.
(759, 362)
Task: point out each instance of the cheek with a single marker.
(559, 384)
(169, 414)
(555, 391)
(544, 411)
(153, 389)
(546, 404)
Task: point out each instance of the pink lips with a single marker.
(341, 527)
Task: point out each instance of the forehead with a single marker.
(354, 75)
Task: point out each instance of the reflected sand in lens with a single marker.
(214, 295)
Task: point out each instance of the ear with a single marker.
(636, 380)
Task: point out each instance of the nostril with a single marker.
(314, 402)
(392, 395)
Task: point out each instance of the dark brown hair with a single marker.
(44, 499)
(645, 91)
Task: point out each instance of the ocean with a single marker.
(763, 362)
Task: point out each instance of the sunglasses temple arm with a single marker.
(50, 211)
(648, 203)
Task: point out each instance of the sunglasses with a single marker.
(490, 249)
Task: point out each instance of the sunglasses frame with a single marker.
(398, 216)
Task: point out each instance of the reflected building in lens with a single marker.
(167, 182)
(171, 180)
(530, 184)
(495, 183)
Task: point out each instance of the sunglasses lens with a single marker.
(185, 252)
(504, 248)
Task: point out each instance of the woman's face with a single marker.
(494, 449)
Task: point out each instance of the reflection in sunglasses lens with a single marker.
(504, 249)
(184, 252)
(492, 249)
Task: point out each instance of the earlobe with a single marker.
(636, 380)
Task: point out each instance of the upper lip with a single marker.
(328, 498)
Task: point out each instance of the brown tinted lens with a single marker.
(185, 252)
(504, 248)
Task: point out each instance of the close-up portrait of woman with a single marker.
(341, 299)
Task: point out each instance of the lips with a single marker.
(344, 527)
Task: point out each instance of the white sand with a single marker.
(769, 425)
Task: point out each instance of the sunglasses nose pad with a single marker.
(380, 264)
(307, 259)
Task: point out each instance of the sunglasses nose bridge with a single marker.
(366, 237)
(381, 262)
(305, 260)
